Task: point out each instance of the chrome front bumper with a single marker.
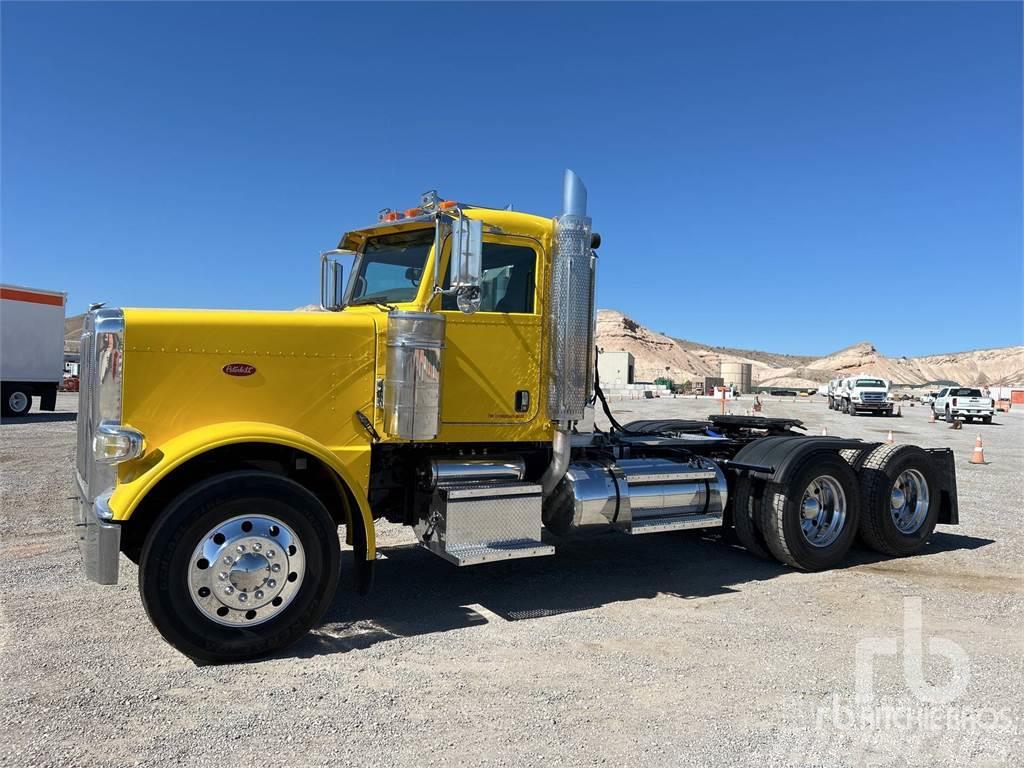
(98, 540)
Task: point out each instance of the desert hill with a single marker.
(653, 353)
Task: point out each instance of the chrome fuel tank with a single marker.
(638, 495)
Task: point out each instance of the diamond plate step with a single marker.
(662, 524)
(505, 550)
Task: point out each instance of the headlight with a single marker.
(102, 441)
(113, 443)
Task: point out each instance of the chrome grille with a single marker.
(86, 368)
(873, 397)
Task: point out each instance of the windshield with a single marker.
(390, 268)
(870, 383)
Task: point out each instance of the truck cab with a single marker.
(448, 385)
(867, 394)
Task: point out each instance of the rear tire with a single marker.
(811, 522)
(192, 576)
(901, 499)
(986, 419)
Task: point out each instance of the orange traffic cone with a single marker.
(824, 431)
(978, 457)
(931, 417)
(889, 439)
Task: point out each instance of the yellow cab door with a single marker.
(491, 371)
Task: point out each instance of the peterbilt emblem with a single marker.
(239, 369)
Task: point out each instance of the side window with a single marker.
(509, 277)
(942, 393)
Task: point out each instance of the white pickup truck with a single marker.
(860, 394)
(965, 403)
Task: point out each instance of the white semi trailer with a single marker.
(31, 348)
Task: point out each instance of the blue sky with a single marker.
(792, 177)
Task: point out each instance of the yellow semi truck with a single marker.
(449, 386)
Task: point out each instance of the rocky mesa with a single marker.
(656, 355)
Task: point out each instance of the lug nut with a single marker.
(228, 559)
(240, 547)
(242, 597)
(270, 553)
(259, 594)
(275, 567)
(222, 575)
(271, 583)
(229, 590)
(256, 547)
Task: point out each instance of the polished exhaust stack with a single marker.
(571, 316)
(571, 324)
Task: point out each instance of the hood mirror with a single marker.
(332, 280)
(467, 262)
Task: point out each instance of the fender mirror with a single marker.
(467, 262)
(332, 281)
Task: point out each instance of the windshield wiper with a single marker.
(379, 304)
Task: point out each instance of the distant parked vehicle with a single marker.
(860, 394)
(965, 403)
(927, 399)
(31, 348)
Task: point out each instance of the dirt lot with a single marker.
(670, 649)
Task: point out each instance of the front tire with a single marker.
(949, 415)
(239, 566)
(810, 523)
(901, 499)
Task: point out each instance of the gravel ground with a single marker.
(669, 649)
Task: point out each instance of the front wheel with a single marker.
(240, 566)
(811, 521)
(949, 415)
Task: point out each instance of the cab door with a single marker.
(491, 370)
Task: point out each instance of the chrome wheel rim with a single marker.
(246, 570)
(822, 511)
(18, 402)
(908, 501)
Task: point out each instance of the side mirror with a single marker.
(467, 262)
(332, 281)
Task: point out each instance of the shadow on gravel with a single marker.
(40, 418)
(417, 593)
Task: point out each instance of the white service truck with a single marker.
(862, 394)
(31, 348)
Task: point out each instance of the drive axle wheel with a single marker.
(901, 504)
(239, 566)
(811, 521)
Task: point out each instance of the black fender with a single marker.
(784, 453)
